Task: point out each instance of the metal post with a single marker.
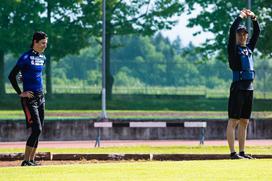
(103, 116)
(202, 136)
(249, 6)
(97, 141)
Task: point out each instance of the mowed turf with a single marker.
(53, 115)
(149, 149)
(141, 171)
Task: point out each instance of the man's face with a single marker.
(241, 37)
(40, 46)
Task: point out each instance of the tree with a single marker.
(65, 30)
(137, 58)
(16, 28)
(143, 17)
(59, 19)
(216, 17)
(153, 61)
(264, 75)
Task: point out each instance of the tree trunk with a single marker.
(2, 78)
(109, 77)
(48, 57)
(48, 76)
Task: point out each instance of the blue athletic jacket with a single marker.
(31, 65)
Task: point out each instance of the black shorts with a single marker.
(34, 110)
(240, 103)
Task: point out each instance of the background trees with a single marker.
(216, 17)
(142, 17)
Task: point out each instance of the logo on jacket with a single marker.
(36, 60)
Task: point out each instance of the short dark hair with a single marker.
(37, 36)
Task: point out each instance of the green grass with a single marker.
(152, 114)
(149, 149)
(80, 88)
(57, 114)
(133, 102)
(62, 114)
(147, 170)
(51, 114)
(186, 170)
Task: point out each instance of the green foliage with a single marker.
(216, 17)
(67, 35)
(136, 16)
(142, 17)
(16, 28)
(94, 77)
(157, 62)
(149, 63)
(264, 76)
(124, 78)
(17, 24)
(82, 67)
(60, 19)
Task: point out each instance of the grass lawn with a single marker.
(141, 171)
(149, 149)
(81, 114)
(133, 102)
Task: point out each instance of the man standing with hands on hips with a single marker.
(240, 57)
(31, 65)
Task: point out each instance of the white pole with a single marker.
(104, 114)
(249, 6)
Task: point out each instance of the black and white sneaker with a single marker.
(27, 163)
(35, 163)
(242, 154)
(235, 156)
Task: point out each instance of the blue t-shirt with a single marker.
(31, 65)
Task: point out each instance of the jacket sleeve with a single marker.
(256, 32)
(232, 41)
(12, 79)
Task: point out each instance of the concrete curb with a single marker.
(262, 156)
(118, 157)
(180, 157)
(101, 156)
(20, 156)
